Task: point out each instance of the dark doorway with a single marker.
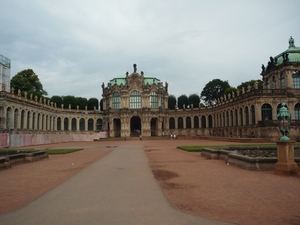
(135, 126)
(117, 127)
(154, 127)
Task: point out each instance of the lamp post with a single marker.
(286, 164)
(284, 122)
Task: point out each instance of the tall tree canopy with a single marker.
(194, 99)
(182, 100)
(57, 99)
(171, 102)
(93, 102)
(81, 102)
(251, 84)
(28, 81)
(69, 100)
(214, 90)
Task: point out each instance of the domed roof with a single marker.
(291, 55)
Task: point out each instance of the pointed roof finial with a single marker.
(291, 42)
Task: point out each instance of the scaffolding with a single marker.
(5, 64)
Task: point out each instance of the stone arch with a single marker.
(135, 126)
(154, 126)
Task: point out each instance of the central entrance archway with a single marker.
(154, 122)
(135, 126)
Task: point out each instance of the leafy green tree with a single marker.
(230, 90)
(251, 83)
(69, 100)
(93, 102)
(194, 99)
(171, 102)
(28, 81)
(57, 99)
(101, 104)
(81, 102)
(214, 90)
(182, 100)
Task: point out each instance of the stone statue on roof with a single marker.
(134, 68)
(291, 42)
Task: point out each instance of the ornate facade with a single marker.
(136, 104)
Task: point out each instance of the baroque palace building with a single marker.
(136, 104)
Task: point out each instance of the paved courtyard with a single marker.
(143, 182)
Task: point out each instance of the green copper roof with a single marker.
(293, 53)
(122, 81)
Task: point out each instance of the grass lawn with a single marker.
(49, 151)
(199, 148)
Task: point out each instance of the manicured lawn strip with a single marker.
(49, 151)
(62, 151)
(199, 148)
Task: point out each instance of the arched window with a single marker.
(99, 124)
(203, 122)
(73, 124)
(116, 100)
(266, 112)
(297, 111)
(66, 124)
(267, 84)
(253, 114)
(180, 123)
(241, 117)
(82, 124)
(196, 122)
(274, 82)
(282, 81)
(162, 102)
(135, 100)
(188, 122)
(296, 80)
(22, 119)
(247, 115)
(210, 121)
(90, 124)
(153, 100)
(171, 123)
(58, 123)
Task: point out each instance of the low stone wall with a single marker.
(21, 140)
(233, 157)
(9, 160)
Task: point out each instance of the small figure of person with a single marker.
(174, 136)
(171, 136)
(140, 137)
(125, 138)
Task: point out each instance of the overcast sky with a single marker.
(73, 46)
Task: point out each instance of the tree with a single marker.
(28, 81)
(194, 99)
(101, 104)
(251, 84)
(93, 102)
(69, 100)
(230, 90)
(57, 99)
(171, 102)
(81, 102)
(214, 90)
(182, 100)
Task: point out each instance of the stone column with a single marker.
(286, 164)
